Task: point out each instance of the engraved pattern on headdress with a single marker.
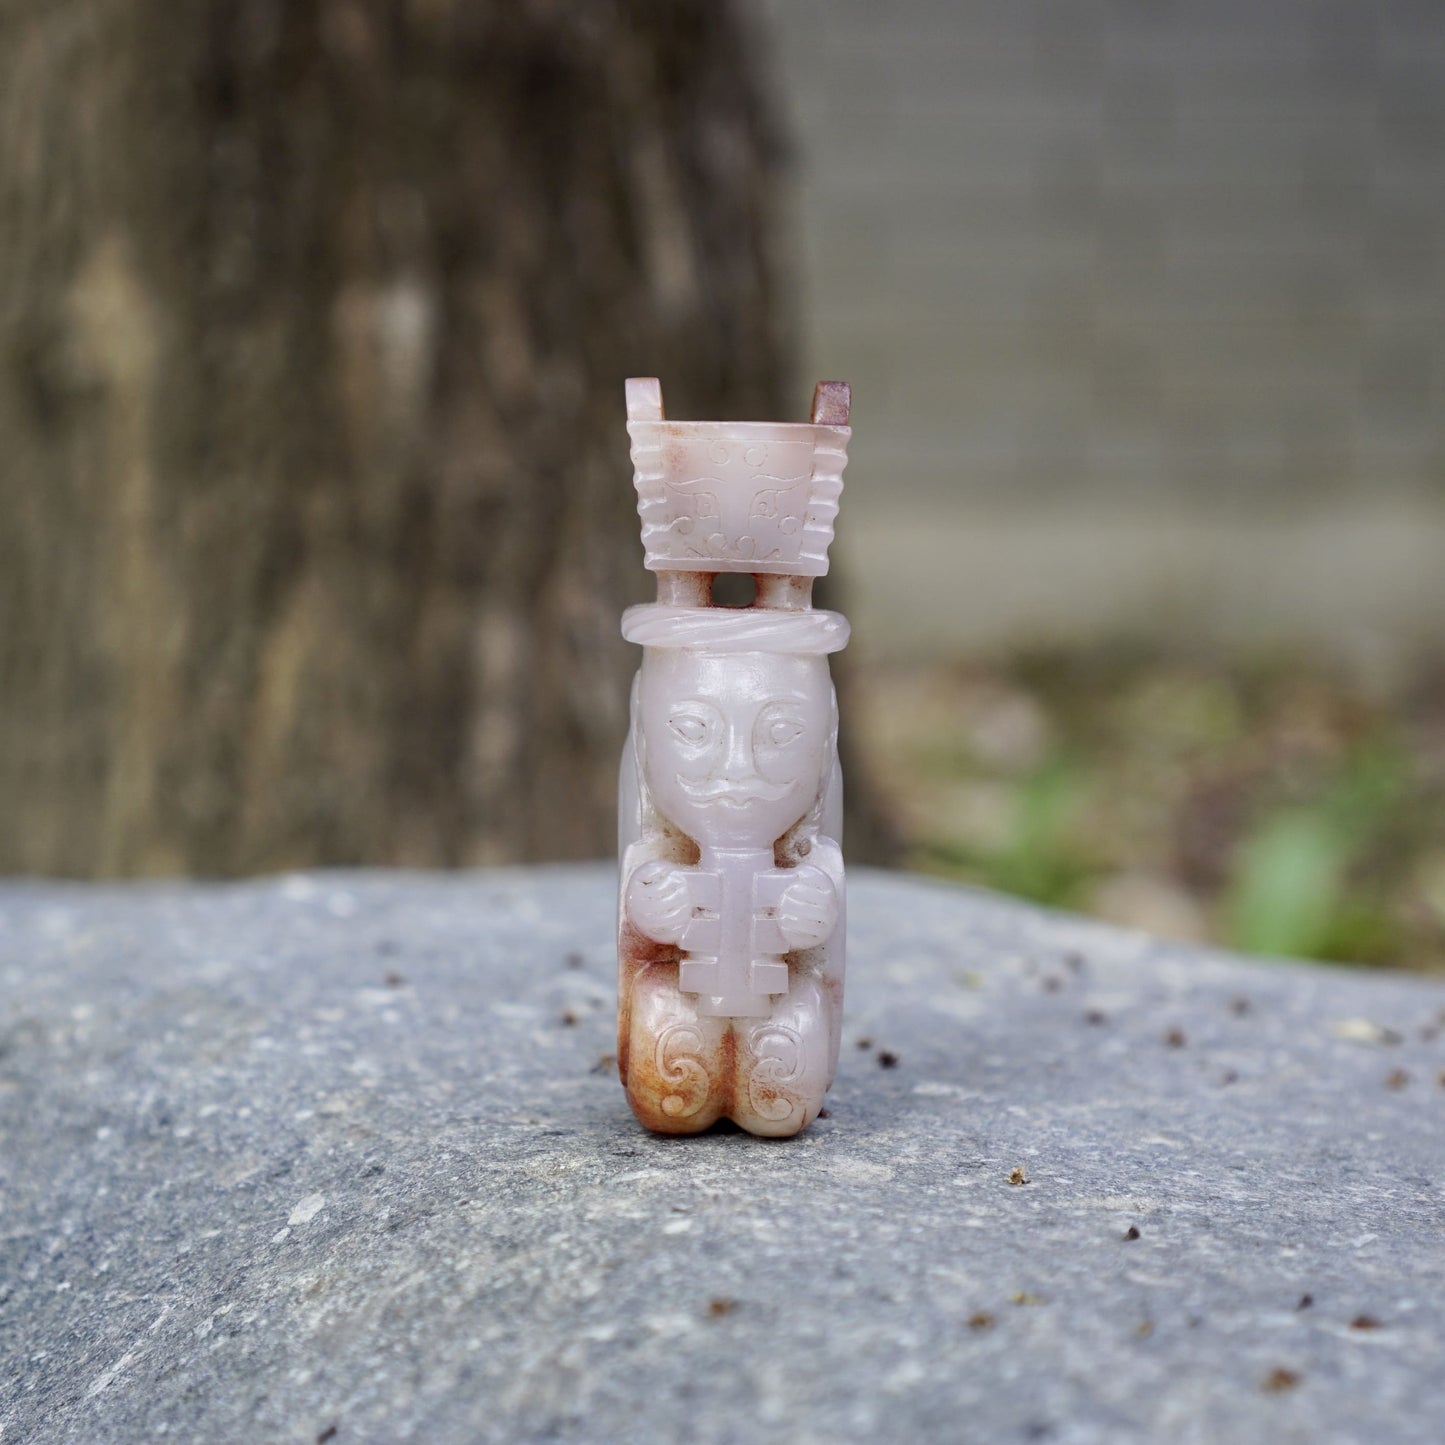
(747, 496)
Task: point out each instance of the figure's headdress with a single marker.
(749, 496)
(755, 497)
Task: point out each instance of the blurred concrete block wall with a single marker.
(1143, 305)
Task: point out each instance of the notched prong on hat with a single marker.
(832, 401)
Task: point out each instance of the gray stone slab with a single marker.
(343, 1157)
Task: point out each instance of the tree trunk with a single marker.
(316, 505)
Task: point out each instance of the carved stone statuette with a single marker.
(730, 917)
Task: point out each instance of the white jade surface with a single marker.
(731, 907)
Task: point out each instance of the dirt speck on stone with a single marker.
(1017, 1176)
(887, 1059)
(1132, 1232)
(1279, 1380)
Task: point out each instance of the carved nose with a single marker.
(738, 765)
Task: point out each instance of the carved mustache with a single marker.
(737, 793)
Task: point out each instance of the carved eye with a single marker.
(765, 504)
(781, 731)
(689, 727)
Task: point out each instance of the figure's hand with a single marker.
(808, 910)
(659, 903)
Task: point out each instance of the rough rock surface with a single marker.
(344, 1158)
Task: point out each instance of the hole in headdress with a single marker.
(734, 589)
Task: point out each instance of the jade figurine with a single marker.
(731, 906)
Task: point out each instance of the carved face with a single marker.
(736, 746)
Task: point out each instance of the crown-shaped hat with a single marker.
(721, 496)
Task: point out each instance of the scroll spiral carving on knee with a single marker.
(778, 1062)
(678, 1059)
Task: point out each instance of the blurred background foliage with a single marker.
(1278, 804)
(318, 517)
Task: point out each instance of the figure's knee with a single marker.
(782, 1063)
(677, 1075)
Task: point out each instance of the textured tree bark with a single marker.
(315, 513)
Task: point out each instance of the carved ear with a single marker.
(646, 815)
(644, 398)
(832, 401)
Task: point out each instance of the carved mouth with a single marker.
(727, 794)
